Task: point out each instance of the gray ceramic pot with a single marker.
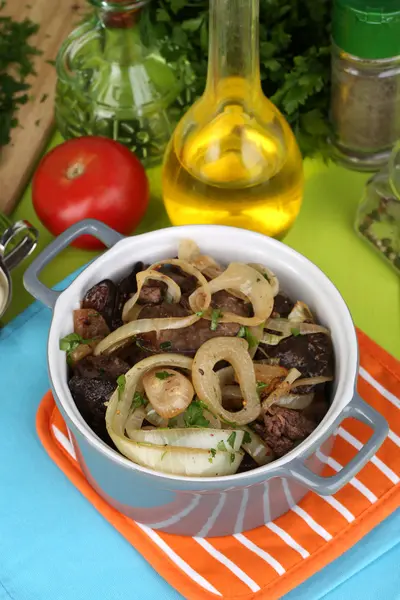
(220, 505)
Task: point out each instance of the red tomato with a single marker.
(90, 177)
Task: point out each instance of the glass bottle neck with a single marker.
(233, 57)
(119, 14)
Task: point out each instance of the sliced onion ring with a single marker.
(300, 312)
(281, 389)
(259, 451)
(204, 438)
(185, 462)
(190, 252)
(311, 381)
(207, 384)
(295, 401)
(246, 280)
(286, 326)
(173, 291)
(118, 409)
(270, 276)
(169, 395)
(129, 330)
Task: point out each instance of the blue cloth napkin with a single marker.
(55, 546)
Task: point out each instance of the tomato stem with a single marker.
(75, 170)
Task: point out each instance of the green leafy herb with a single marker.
(70, 342)
(266, 277)
(194, 416)
(232, 457)
(213, 452)
(244, 332)
(231, 439)
(138, 400)
(163, 375)
(221, 446)
(215, 317)
(165, 346)
(261, 386)
(294, 58)
(121, 382)
(16, 64)
(295, 331)
(246, 438)
(200, 313)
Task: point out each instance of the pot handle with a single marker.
(89, 226)
(325, 486)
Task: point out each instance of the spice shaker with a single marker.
(17, 241)
(365, 98)
(378, 216)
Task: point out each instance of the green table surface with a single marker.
(324, 232)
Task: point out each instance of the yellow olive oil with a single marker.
(236, 170)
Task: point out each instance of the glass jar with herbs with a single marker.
(113, 81)
(365, 101)
(378, 217)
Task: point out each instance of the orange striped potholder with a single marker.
(269, 561)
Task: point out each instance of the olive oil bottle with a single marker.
(233, 159)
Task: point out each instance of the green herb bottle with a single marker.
(113, 81)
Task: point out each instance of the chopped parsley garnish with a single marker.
(266, 277)
(121, 382)
(261, 386)
(70, 342)
(194, 416)
(244, 332)
(231, 439)
(200, 313)
(215, 317)
(232, 457)
(221, 446)
(213, 452)
(163, 375)
(295, 331)
(138, 401)
(246, 438)
(165, 346)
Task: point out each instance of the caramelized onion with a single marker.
(168, 391)
(190, 252)
(129, 330)
(246, 280)
(281, 389)
(173, 291)
(300, 312)
(259, 450)
(207, 384)
(286, 326)
(295, 401)
(269, 275)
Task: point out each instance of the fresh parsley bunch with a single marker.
(294, 57)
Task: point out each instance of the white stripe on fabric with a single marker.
(261, 553)
(383, 391)
(187, 569)
(176, 518)
(339, 507)
(64, 441)
(375, 460)
(288, 539)
(228, 564)
(304, 515)
(356, 483)
(395, 438)
(72, 444)
(242, 511)
(214, 516)
(267, 514)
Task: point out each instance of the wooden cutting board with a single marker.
(56, 19)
